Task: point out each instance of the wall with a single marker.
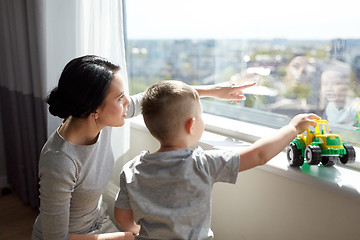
(263, 205)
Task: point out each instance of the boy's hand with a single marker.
(302, 121)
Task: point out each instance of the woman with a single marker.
(76, 162)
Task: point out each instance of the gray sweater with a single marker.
(72, 180)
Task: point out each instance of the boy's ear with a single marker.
(190, 126)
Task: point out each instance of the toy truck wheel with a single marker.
(313, 154)
(349, 157)
(329, 160)
(294, 155)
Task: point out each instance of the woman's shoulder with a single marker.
(56, 158)
(53, 154)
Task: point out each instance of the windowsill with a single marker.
(339, 178)
(232, 134)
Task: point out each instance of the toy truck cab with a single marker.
(317, 145)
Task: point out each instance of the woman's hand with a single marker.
(225, 91)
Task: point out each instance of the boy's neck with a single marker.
(170, 148)
(173, 147)
(181, 141)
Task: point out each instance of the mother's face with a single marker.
(300, 69)
(112, 112)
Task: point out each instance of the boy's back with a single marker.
(170, 192)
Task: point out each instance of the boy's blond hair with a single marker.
(166, 106)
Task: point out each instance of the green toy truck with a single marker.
(319, 145)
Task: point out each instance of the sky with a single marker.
(256, 19)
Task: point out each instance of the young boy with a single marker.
(340, 108)
(167, 194)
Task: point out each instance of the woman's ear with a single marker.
(190, 126)
(95, 115)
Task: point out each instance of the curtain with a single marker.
(23, 117)
(101, 32)
(33, 55)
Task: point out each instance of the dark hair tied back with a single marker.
(56, 105)
(82, 87)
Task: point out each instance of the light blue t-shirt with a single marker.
(344, 115)
(170, 192)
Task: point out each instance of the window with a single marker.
(303, 57)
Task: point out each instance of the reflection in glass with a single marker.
(319, 74)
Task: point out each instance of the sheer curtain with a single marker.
(101, 32)
(23, 117)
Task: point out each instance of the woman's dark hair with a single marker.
(82, 87)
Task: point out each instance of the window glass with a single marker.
(304, 57)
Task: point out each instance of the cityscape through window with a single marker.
(303, 58)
